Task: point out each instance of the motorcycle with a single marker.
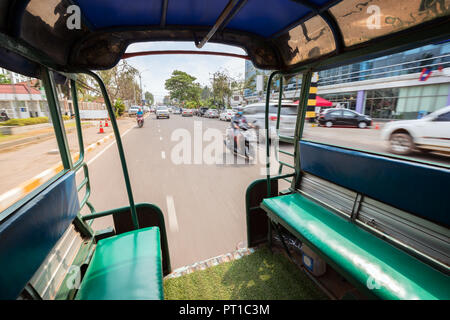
(245, 146)
(140, 121)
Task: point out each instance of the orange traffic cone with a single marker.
(377, 127)
(106, 123)
(101, 128)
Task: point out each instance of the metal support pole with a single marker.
(266, 123)
(303, 103)
(55, 115)
(112, 116)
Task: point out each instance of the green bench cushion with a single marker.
(368, 261)
(125, 267)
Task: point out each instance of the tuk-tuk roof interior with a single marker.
(276, 34)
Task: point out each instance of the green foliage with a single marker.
(221, 87)
(191, 105)
(4, 79)
(182, 87)
(119, 107)
(25, 121)
(120, 82)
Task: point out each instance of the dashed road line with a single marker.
(172, 215)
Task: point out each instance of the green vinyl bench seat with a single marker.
(125, 267)
(366, 260)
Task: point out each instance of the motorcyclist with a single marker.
(237, 122)
(140, 113)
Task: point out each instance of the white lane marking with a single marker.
(173, 223)
(160, 138)
(163, 154)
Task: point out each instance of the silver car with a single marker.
(288, 116)
(162, 112)
(133, 110)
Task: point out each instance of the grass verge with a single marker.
(259, 276)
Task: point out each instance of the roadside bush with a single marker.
(24, 122)
(191, 104)
(119, 107)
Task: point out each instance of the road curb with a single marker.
(211, 262)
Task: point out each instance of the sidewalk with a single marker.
(23, 162)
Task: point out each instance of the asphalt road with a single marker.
(203, 204)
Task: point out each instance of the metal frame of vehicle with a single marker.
(93, 50)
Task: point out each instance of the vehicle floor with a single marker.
(259, 276)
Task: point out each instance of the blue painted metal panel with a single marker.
(268, 17)
(194, 12)
(121, 13)
(416, 188)
(261, 17)
(28, 236)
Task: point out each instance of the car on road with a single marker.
(202, 111)
(430, 133)
(177, 111)
(226, 115)
(133, 110)
(162, 112)
(211, 113)
(187, 113)
(344, 117)
(255, 113)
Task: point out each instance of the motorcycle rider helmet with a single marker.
(240, 111)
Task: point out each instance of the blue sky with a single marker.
(156, 69)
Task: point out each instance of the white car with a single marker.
(430, 133)
(162, 112)
(227, 115)
(133, 110)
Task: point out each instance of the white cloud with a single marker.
(157, 68)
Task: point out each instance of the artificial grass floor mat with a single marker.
(258, 276)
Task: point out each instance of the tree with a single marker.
(206, 93)
(221, 87)
(182, 87)
(149, 98)
(4, 79)
(120, 82)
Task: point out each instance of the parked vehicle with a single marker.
(187, 113)
(430, 133)
(133, 110)
(344, 117)
(162, 112)
(227, 115)
(288, 116)
(202, 111)
(211, 113)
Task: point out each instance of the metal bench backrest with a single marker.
(28, 235)
(405, 200)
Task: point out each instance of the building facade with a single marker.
(399, 86)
